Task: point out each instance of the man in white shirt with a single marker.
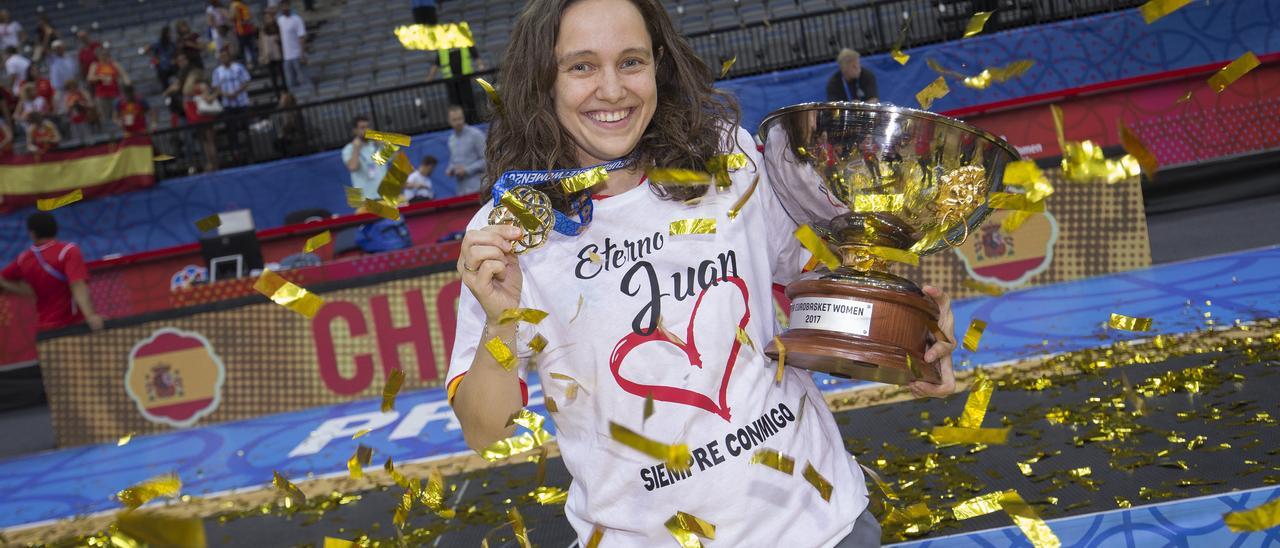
(15, 67)
(63, 67)
(293, 32)
(11, 34)
(418, 187)
(230, 80)
(366, 174)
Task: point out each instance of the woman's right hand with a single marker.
(490, 269)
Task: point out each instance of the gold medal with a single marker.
(529, 209)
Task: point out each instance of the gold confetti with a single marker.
(1256, 519)
(867, 203)
(396, 139)
(1155, 9)
(435, 37)
(358, 460)
(884, 486)
(522, 442)
(976, 23)
(1129, 323)
(676, 456)
(984, 287)
(1233, 71)
(774, 460)
(389, 390)
(384, 153)
(50, 204)
(693, 226)
(288, 294)
(392, 183)
(977, 506)
(581, 299)
(984, 79)
(686, 528)
(517, 525)
(161, 486)
(648, 408)
(330, 542)
(951, 435)
(899, 56)
(521, 211)
(355, 198)
(1135, 148)
(677, 176)
(152, 529)
(550, 404)
(528, 315)
(782, 358)
(818, 482)
(501, 353)
(318, 241)
(725, 66)
(490, 91)
(1017, 202)
(975, 405)
(293, 496)
(538, 343)
(162, 158)
(1085, 161)
(744, 338)
(974, 334)
(584, 180)
(935, 90)
(1025, 517)
(360, 433)
(817, 247)
(1185, 97)
(125, 439)
(742, 200)
(209, 223)
(396, 476)
(382, 209)
(1058, 126)
(892, 254)
(896, 50)
(597, 534)
(546, 495)
(720, 165)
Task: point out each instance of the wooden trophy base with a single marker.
(859, 331)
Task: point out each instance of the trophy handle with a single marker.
(962, 238)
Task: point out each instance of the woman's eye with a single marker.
(580, 67)
(629, 63)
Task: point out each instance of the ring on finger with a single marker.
(469, 269)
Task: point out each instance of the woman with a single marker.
(30, 104)
(189, 43)
(80, 112)
(194, 86)
(269, 53)
(163, 53)
(45, 35)
(105, 77)
(636, 312)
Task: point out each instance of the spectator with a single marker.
(79, 111)
(228, 42)
(133, 114)
(216, 16)
(189, 44)
(466, 153)
(63, 67)
(44, 87)
(29, 104)
(42, 134)
(163, 57)
(269, 50)
(45, 35)
(366, 174)
(197, 96)
(105, 75)
(53, 271)
(293, 31)
(852, 82)
(15, 67)
(291, 132)
(230, 80)
(246, 32)
(11, 34)
(418, 187)
(424, 11)
(88, 51)
(456, 66)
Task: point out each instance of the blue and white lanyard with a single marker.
(582, 207)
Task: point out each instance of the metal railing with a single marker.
(760, 46)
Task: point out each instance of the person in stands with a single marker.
(88, 51)
(133, 114)
(80, 112)
(418, 187)
(42, 134)
(105, 77)
(466, 153)
(53, 272)
(852, 82)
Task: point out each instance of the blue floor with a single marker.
(1062, 317)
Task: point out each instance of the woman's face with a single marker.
(606, 89)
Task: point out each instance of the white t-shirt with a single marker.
(9, 34)
(711, 392)
(292, 31)
(416, 178)
(16, 66)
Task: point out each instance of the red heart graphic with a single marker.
(674, 394)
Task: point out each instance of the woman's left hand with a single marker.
(940, 352)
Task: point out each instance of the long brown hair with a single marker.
(692, 121)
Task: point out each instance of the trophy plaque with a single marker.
(878, 183)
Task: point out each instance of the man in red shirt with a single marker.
(54, 272)
(88, 51)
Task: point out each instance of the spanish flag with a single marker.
(175, 377)
(112, 168)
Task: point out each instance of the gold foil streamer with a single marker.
(141, 493)
(896, 50)
(545, 495)
(359, 460)
(744, 338)
(1233, 71)
(538, 343)
(977, 506)
(972, 336)
(1256, 519)
(817, 247)
(584, 180)
(989, 75)
(382, 209)
(501, 352)
(293, 495)
(686, 528)
(435, 37)
(884, 486)
(288, 294)
(1025, 517)
(1139, 151)
(742, 200)
(389, 390)
(519, 443)
(1058, 126)
(868, 203)
(951, 435)
(976, 23)
(162, 158)
(384, 153)
(984, 287)
(153, 529)
(528, 315)
(774, 460)
(330, 542)
(392, 183)
(396, 476)
(209, 223)
(521, 211)
(1017, 202)
(125, 439)
(693, 226)
(432, 496)
(396, 139)
(597, 534)
(355, 198)
(50, 204)
(725, 66)
(360, 433)
(550, 404)
(892, 254)
(1129, 323)
(318, 241)
(720, 165)
(1084, 161)
(782, 358)
(676, 456)
(818, 482)
(648, 408)
(1185, 97)
(975, 406)
(1155, 9)
(491, 92)
(935, 90)
(899, 56)
(1024, 173)
(517, 526)
(677, 176)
